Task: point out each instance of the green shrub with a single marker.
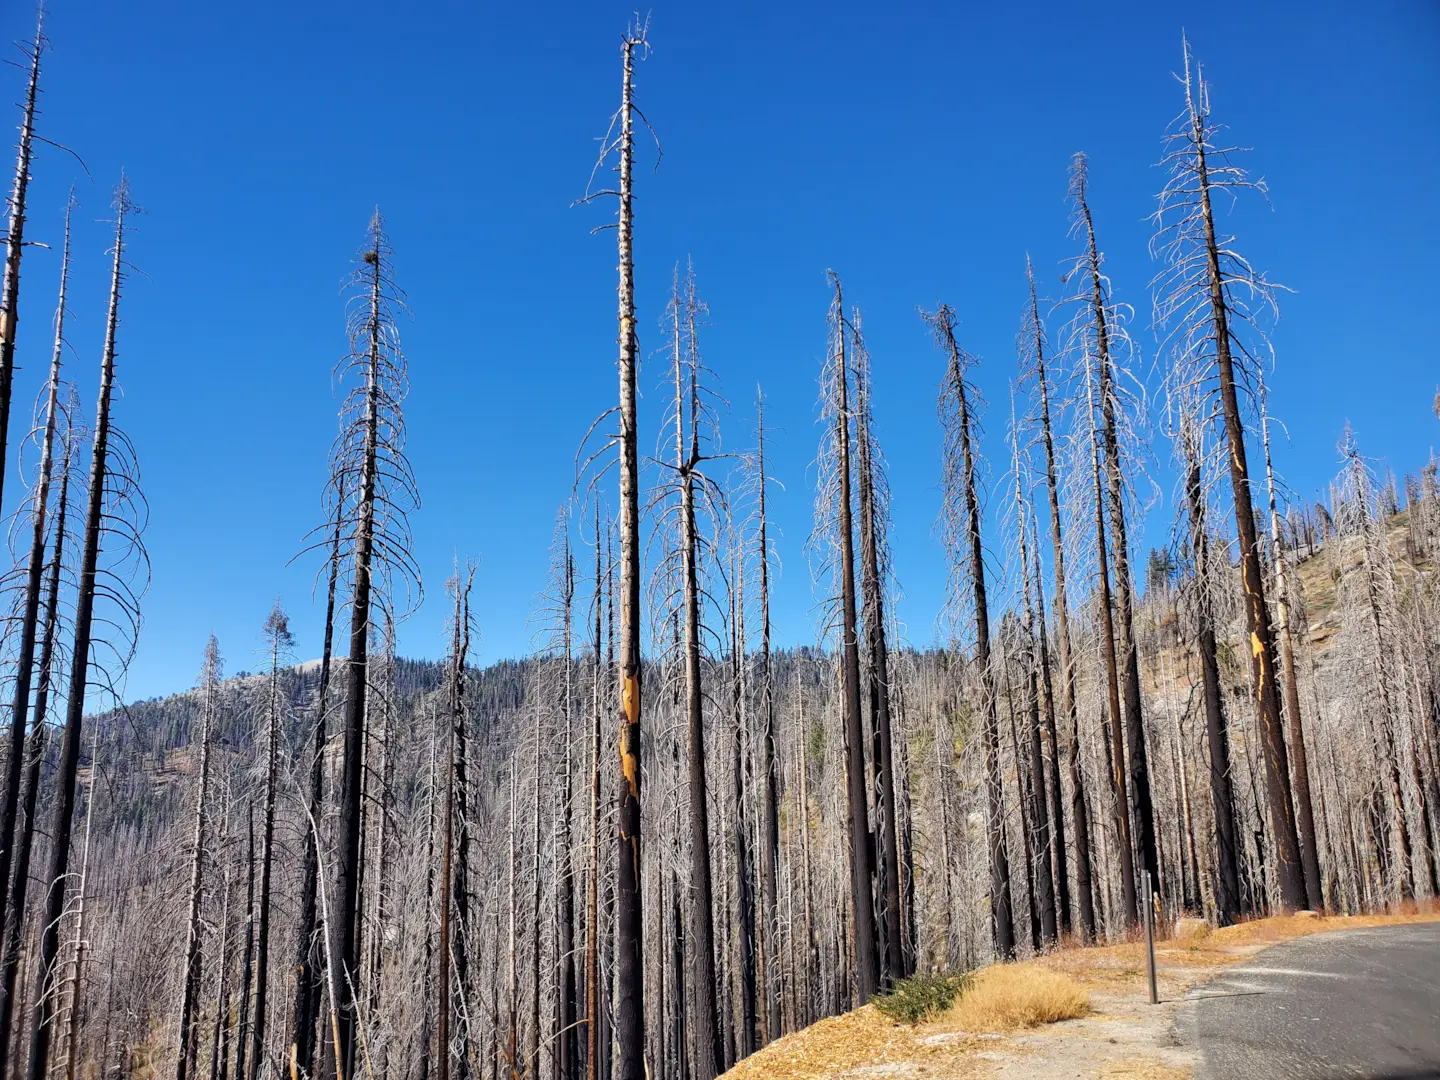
(921, 996)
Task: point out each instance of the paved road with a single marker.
(1357, 1003)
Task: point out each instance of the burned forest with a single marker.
(1161, 683)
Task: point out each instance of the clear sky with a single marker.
(920, 150)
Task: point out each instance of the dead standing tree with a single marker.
(278, 643)
(874, 499)
(629, 921)
(10, 287)
(692, 501)
(960, 533)
(309, 980)
(374, 492)
(1299, 759)
(1206, 295)
(115, 512)
(186, 1053)
(12, 910)
(770, 960)
(1217, 734)
(453, 976)
(46, 678)
(1042, 871)
(1098, 333)
(1032, 340)
(834, 543)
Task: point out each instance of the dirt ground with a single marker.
(1124, 1036)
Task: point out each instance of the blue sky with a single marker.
(920, 151)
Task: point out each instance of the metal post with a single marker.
(1150, 936)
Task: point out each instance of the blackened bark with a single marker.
(862, 911)
(1084, 889)
(46, 994)
(1257, 617)
(878, 677)
(1222, 799)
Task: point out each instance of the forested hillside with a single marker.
(663, 840)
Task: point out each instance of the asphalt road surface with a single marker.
(1356, 1003)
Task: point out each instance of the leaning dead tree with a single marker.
(373, 491)
(114, 513)
(960, 534)
(15, 245)
(1208, 303)
(619, 144)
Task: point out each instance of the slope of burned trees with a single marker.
(366, 865)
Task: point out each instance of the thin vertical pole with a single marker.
(1149, 903)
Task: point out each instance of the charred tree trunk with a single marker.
(1222, 799)
(1129, 674)
(1116, 745)
(744, 893)
(567, 1053)
(1257, 617)
(771, 970)
(190, 991)
(629, 922)
(878, 673)
(23, 831)
(862, 910)
(964, 530)
(277, 629)
(309, 979)
(1299, 759)
(46, 986)
(709, 1050)
(9, 317)
(1084, 888)
(345, 935)
(1039, 809)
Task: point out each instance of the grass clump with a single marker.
(1009, 997)
(921, 996)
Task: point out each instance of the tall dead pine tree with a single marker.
(1204, 296)
(15, 873)
(693, 486)
(370, 472)
(100, 518)
(960, 526)
(629, 922)
(875, 566)
(771, 974)
(835, 523)
(10, 287)
(1033, 340)
(1101, 335)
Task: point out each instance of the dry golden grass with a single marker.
(1142, 1069)
(1011, 997)
(1008, 997)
